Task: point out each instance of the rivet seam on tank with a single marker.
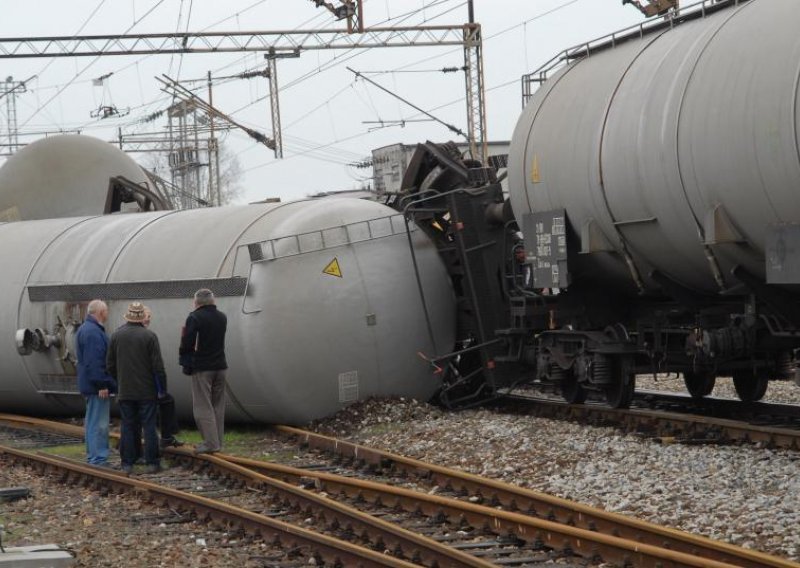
(333, 268)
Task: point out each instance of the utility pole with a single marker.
(9, 90)
(214, 182)
(476, 94)
(274, 106)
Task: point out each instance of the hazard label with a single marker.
(333, 269)
(535, 176)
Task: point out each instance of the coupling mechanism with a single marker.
(30, 340)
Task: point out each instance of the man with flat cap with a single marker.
(134, 359)
(202, 355)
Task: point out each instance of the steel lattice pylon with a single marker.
(476, 95)
(9, 90)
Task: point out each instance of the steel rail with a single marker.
(669, 423)
(330, 512)
(332, 550)
(588, 543)
(545, 506)
(327, 511)
(721, 407)
(544, 519)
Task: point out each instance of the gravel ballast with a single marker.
(116, 531)
(739, 494)
(745, 495)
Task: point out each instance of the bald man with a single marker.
(94, 382)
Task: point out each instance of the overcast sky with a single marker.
(323, 106)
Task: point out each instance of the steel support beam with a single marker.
(9, 90)
(476, 94)
(230, 42)
(275, 107)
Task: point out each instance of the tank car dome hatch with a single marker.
(70, 176)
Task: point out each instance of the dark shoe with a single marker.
(170, 443)
(204, 450)
(153, 468)
(127, 469)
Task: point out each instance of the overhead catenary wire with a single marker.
(92, 62)
(238, 60)
(61, 87)
(334, 62)
(340, 60)
(450, 127)
(184, 93)
(73, 80)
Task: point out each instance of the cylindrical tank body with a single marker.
(62, 176)
(322, 301)
(680, 147)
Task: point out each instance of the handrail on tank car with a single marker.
(670, 20)
(256, 250)
(258, 254)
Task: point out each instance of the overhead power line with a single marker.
(185, 94)
(450, 127)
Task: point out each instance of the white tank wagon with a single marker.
(71, 176)
(674, 155)
(323, 302)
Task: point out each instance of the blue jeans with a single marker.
(96, 429)
(136, 414)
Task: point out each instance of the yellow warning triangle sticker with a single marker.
(333, 269)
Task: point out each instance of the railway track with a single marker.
(761, 413)
(471, 522)
(303, 546)
(679, 418)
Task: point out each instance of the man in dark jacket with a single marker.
(134, 359)
(202, 355)
(94, 382)
(168, 419)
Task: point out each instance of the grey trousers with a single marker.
(208, 405)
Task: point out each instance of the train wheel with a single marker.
(620, 393)
(571, 390)
(750, 388)
(698, 383)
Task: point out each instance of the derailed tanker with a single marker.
(655, 178)
(323, 304)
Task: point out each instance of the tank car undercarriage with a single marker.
(583, 340)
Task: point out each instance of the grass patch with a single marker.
(72, 451)
(241, 437)
(379, 429)
(233, 436)
(280, 457)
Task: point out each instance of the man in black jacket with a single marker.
(202, 355)
(168, 419)
(134, 359)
